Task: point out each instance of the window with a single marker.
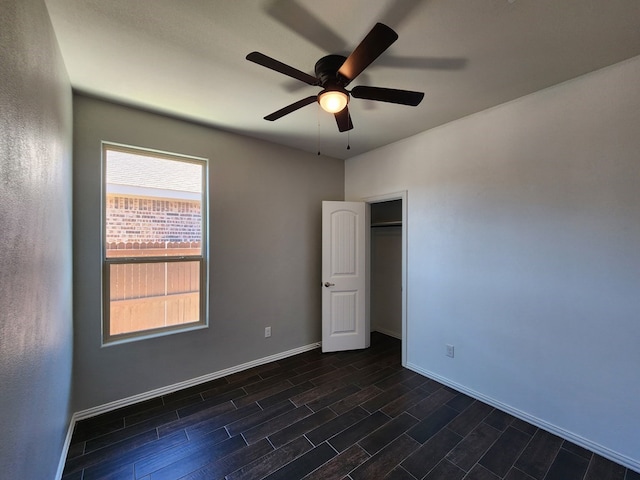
(155, 249)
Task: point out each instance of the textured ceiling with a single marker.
(187, 58)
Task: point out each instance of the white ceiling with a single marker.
(187, 58)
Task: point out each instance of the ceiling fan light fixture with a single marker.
(333, 101)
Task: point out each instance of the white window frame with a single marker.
(203, 258)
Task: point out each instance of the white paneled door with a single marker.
(343, 277)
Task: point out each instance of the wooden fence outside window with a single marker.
(152, 295)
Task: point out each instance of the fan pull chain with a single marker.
(348, 139)
(318, 115)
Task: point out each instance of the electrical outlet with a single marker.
(267, 332)
(449, 350)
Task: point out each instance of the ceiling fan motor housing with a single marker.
(327, 72)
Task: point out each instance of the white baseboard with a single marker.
(65, 447)
(107, 407)
(549, 427)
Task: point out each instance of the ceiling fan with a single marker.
(335, 72)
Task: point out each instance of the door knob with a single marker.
(327, 284)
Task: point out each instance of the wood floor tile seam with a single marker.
(385, 425)
(468, 472)
(406, 473)
(281, 407)
(516, 458)
(477, 423)
(555, 457)
(388, 449)
(191, 391)
(365, 390)
(483, 453)
(513, 425)
(270, 443)
(154, 412)
(327, 440)
(307, 439)
(198, 390)
(196, 418)
(317, 393)
(332, 447)
(130, 431)
(478, 464)
(412, 416)
(240, 390)
(404, 408)
(358, 426)
(243, 438)
(94, 457)
(119, 462)
(498, 437)
(333, 458)
(119, 413)
(513, 465)
(292, 416)
(332, 397)
(293, 447)
(301, 427)
(238, 407)
(597, 461)
(326, 379)
(345, 375)
(591, 462)
(150, 465)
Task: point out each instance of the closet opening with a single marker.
(387, 299)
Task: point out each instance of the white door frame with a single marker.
(401, 195)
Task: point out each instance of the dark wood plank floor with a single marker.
(354, 415)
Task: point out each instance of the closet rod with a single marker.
(387, 224)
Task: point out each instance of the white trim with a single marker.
(65, 447)
(180, 328)
(549, 427)
(107, 407)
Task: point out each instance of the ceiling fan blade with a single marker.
(273, 64)
(391, 95)
(343, 119)
(291, 108)
(377, 41)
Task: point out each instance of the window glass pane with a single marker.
(153, 206)
(146, 296)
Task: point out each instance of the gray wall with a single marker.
(265, 207)
(35, 243)
(523, 252)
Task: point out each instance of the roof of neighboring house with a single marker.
(124, 168)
